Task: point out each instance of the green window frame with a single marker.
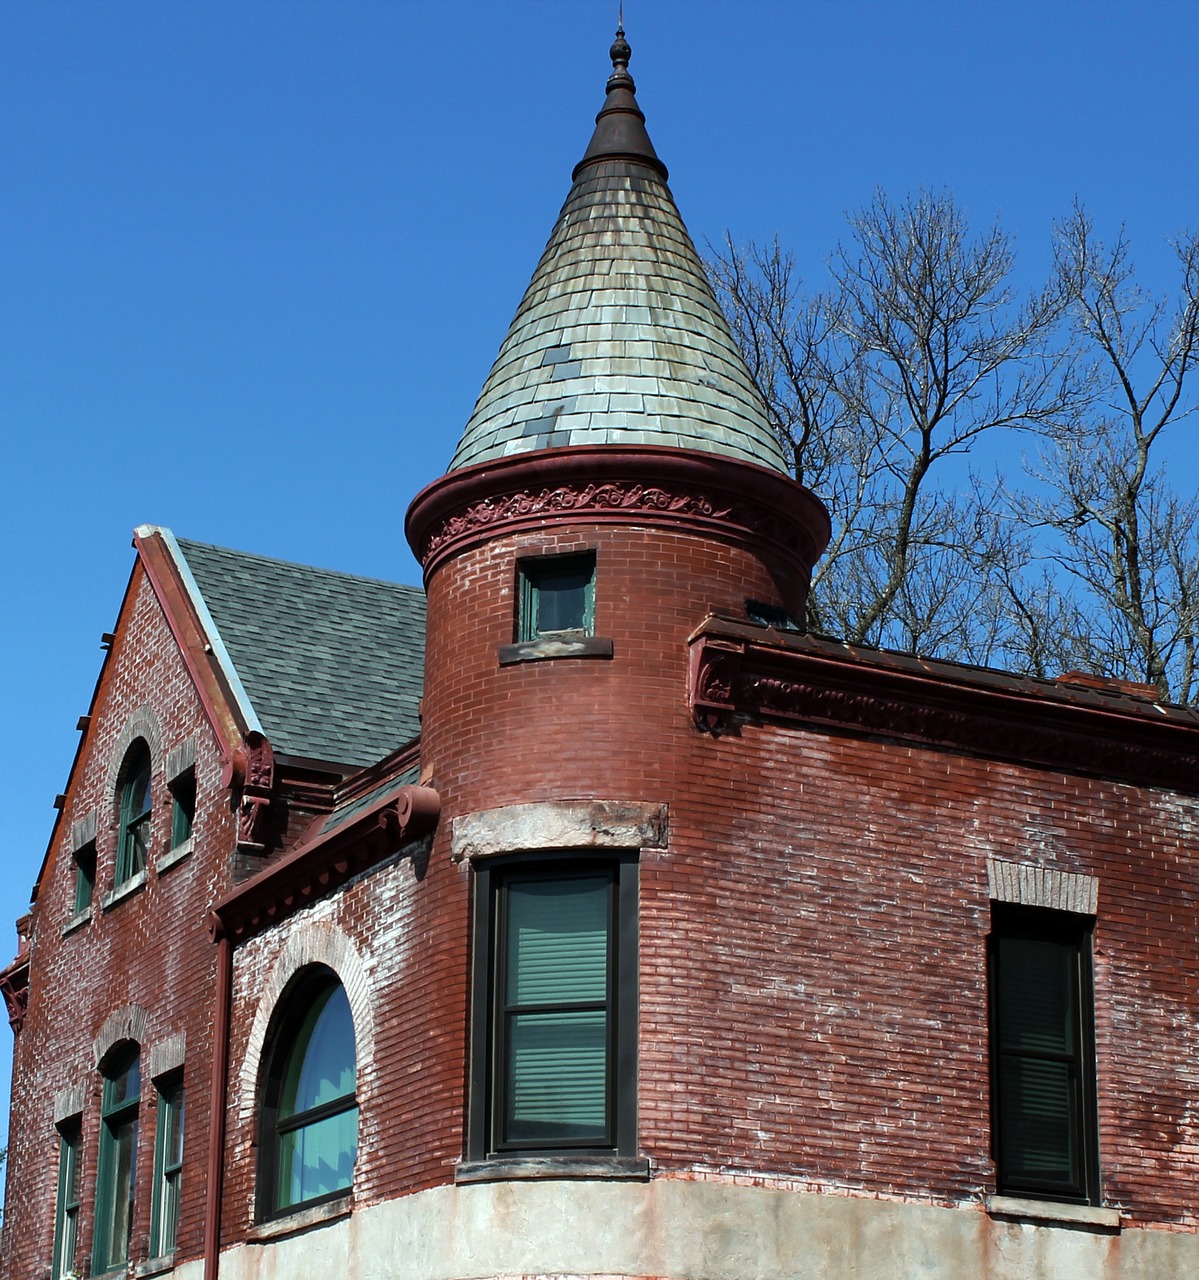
(183, 807)
(557, 597)
(1045, 1117)
(553, 1059)
(136, 812)
(168, 1168)
(310, 1108)
(66, 1212)
(85, 876)
(116, 1168)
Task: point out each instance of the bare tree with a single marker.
(918, 348)
(1124, 540)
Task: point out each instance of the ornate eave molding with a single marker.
(325, 862)
(613, 484)
(736, 671)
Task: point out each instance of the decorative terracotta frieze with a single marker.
(815, 682)
(697, 492)
(625, 498)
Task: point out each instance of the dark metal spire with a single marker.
(620, 126)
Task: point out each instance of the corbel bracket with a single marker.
(250, 772)
(713, 667)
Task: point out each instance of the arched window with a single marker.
(136, 805)
(310, 1112)
(116, 1175)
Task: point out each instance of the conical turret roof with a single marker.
(619, 338)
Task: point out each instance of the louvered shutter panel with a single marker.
(557, 970)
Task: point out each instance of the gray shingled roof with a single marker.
(619, 339)
(333, 664)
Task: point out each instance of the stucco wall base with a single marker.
(674, 1229)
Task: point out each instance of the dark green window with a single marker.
(1043, 1055)
(183, 807)
(85, 876)
(310, 1112)
(116, 1173)
(168, 1165)
(136, 805)
(553, 1055)
(66, 1217)
(557, 597)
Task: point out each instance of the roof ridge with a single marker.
(298, 564)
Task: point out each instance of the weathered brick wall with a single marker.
(812, 993)
(396, 936)
(150, 950)
(573, 727)
(813, 966)
(813, 983)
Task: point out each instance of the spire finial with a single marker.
(620, 54)
(620, 126)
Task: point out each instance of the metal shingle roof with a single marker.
(619, 338)
(333, 664)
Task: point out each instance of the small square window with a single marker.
(557, 597)
(85, 876)
(183, 807)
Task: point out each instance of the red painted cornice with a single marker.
(220, 706)
(738, 670)
(325, 861)
(704, 493)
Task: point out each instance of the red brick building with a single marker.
(600, 923)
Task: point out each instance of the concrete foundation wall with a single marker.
(674, 1229)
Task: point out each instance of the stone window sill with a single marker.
(154, 1266)
(1051, 1211)
(561, 646)
(77, 921)
(125, 890)
(302, 1220)
(520, 1168)
(174, 856)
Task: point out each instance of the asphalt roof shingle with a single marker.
(333, 664)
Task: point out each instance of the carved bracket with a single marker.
(14, 985)
(251, 773)
(714, 667)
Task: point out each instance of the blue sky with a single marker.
(256, 258)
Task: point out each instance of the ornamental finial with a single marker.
(620, 54)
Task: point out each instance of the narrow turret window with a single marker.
(183, 807)
(168, 1165)
(85, 876)
(66, 1219)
